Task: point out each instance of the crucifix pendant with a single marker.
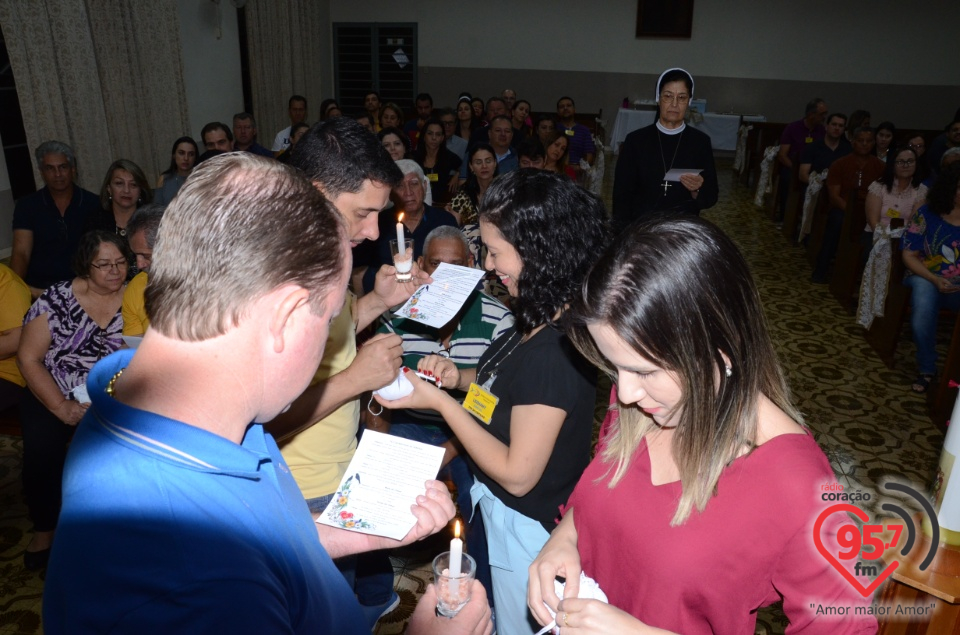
(665, 186)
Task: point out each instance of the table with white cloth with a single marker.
(722, 129)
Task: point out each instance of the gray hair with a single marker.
(952, 152)
(409, 166)
(449, 232)
(146, 219)
(55, 147)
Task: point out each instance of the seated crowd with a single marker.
(896, 180)
(190, 516)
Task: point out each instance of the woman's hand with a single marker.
(70, 411)
(443, 369)
(693, 182)
(945, 285)
(425, 396)
(559, 557)
(584, 616)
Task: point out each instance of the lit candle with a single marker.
(456, 555)
(400, 245)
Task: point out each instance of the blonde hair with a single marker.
(241, 226)
(685, 321)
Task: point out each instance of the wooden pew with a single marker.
(793, 213)
(884, 334)
(817, 227)
(848, 263)
(940, 398)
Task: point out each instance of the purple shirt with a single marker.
(76, 341)
(579, 142)
(797, 135)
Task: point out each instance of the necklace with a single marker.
(663, 160)
(493, 371)
(113, 380)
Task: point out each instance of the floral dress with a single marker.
(936, 241)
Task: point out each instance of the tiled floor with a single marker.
(863, 415)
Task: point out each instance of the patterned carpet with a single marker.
(863, 415)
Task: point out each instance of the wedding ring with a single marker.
(565, 622)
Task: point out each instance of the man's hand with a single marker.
(433, 510)
(377, 363)
(391, 292)
(473, 618)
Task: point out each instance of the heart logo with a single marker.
(862, 515)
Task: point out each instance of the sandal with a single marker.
(922, 383)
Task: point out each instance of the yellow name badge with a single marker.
(569, 132)
(893, 213)
(433, 178)
(480, 403)
(809, 139)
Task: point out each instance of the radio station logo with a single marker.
(867, 545)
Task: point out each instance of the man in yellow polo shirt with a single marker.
(15, 299)
(142, 230)
(318, 434)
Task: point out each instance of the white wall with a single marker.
(211, 65)
(883, 41)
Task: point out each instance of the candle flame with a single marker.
(456, 530)
(400, 217)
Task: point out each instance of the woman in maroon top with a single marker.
(700, 506)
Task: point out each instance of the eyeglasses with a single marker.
(680, 99)
(904, 162)
(448, 123)
(111, 266)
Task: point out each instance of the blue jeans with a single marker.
(458, 472)
(926, 301)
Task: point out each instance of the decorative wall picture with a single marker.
(664, 18)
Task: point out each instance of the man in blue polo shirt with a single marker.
(47, 224)
(180, 514)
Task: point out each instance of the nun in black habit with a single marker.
(648, 154)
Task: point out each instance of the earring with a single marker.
(728, 372)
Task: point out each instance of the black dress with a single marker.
(645, 156)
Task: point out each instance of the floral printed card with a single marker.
(437, 303)
(382, 482)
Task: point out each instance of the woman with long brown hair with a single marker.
(701, 505)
